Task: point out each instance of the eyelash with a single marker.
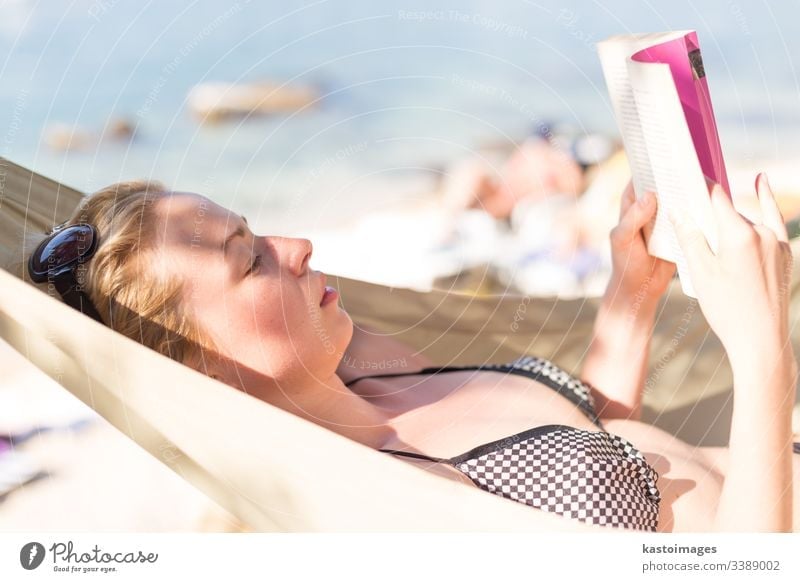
(255, 265)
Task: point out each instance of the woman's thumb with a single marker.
(692, 241)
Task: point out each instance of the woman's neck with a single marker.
(331, 404)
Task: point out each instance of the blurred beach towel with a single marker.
(277, 472)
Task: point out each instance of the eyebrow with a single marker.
(238, 232)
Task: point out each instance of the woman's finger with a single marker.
(770, 213)
(628, 198)
(694, 245)
(637, 215)
(727, 217)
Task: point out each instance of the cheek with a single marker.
(311, 327)
(281, 317)
(323, 332)
(292, 332)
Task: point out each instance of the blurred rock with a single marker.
(215, 102)
(62, 137)
(119, 129)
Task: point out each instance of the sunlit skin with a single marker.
(280, 345)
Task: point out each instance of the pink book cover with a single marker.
(684, 60)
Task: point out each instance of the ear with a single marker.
(217, 373)
(207, 366)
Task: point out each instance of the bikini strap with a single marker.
(429, 370)
(415, 456)
(584, 406)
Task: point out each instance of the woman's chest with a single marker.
(449, 413)
(689, 485)
(446, 417)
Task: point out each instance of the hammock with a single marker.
(277, 472)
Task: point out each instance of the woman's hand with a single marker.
(636, 276)
(743, 289)
(616, 361)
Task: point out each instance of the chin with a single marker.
(343, 334)
(347, 331)
(334, 332)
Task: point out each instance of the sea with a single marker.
(404, 90)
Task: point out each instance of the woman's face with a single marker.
(256, 295)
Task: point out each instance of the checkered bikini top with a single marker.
(592, 476)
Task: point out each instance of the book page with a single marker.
(657, 140)
(679, 180)
(614, 54)
(613, 59)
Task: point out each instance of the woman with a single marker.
(186, 277)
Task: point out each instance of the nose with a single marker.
(295, 253)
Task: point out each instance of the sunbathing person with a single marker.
(189, 279)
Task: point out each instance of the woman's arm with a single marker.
(743, 290)
(616, 361)
(757, 493)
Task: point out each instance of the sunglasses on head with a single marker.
(57, 257)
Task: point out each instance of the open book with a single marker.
(663, 108)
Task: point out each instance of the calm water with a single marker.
(404, 91)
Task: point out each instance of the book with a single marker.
(659, 93)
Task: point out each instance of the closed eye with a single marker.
(254, 266)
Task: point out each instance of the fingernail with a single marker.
(645, 200)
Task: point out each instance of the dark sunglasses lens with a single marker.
(65, 248)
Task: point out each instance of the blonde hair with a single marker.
(119, 280)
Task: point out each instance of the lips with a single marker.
(329, 296)
(323, 279)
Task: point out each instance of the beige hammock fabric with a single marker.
(277, 472)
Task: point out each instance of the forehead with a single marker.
(185, 218)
